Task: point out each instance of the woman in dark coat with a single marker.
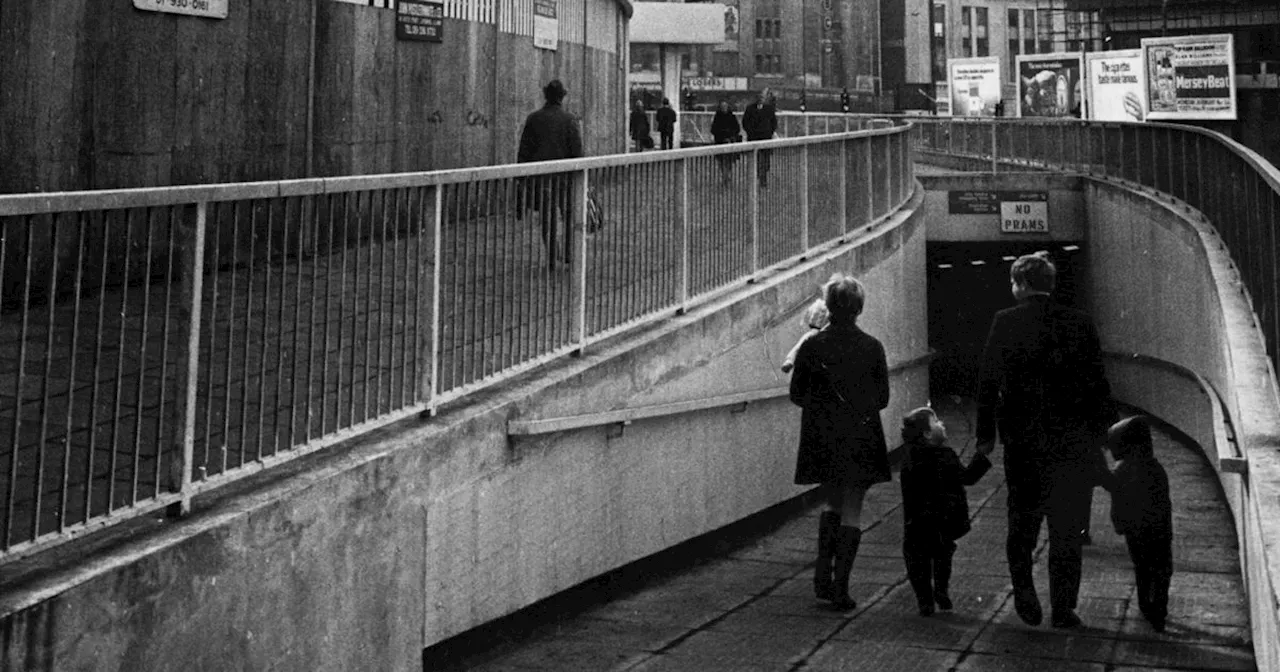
(639, 126)
(841, 380)
(725, 129)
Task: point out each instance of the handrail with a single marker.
(626, 416)
(1231, 459)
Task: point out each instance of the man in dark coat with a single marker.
(760, 122)
(638, 125)
(1043, 384)
(551, 133)
(667, 124)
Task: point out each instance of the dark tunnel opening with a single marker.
(967, 283)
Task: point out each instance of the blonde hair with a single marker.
(816, 315)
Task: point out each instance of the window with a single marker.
(1044, 31)
(768, 43)
(983, 41)
(1015, 41)
(966, 31)
(1028, 31)
(939, 46)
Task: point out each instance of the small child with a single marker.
(817, 317)
(1142, 511)
(936, 510)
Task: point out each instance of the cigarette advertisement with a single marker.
(974, 86)
(1049, 85)
(1115, 82)
(1190, 77)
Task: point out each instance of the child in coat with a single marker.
(935, 506)
(817, 317)
(1142, 511)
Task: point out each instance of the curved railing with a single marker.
(159, 342)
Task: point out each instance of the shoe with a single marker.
(1027, 604)
(1085, 539)
(1066, 619)
(943, 600)
(926, 610)
(1157, 624)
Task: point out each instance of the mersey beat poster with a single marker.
(1190, 77)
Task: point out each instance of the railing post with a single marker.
(578, 225)
(995, 160)
(804, 199)
(684, 235)
(844, 187)
(192, 251)
(754, 192)
(436, 257)
(871, 183)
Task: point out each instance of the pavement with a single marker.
(740, 599)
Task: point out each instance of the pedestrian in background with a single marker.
(841, 381)
(725, 130)
(760, 122)
(1042, 382)
(667, 124)
(550, 133)
(639, 128)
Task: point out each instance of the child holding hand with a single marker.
(1142, 511)
(935, 507)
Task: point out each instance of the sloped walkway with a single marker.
(741, 600)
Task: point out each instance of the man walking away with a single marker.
(1042, 383)
(551, 133)
(667, 124)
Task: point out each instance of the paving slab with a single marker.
(746, 604)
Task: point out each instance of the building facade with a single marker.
(819, 54)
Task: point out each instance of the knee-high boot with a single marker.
(847, 540)
(828, 525)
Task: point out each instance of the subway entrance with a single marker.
(967, 283)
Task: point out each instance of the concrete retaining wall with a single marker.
(360, 557)
(1164, 290)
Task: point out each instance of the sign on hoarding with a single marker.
(974, 86)
(1049, 85)
(420, 20)
(210, 9)
(716, 83)
(1115, 81)
(1190, 77)
(546, 29)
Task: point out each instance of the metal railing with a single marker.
(158, 342)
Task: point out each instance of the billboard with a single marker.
(1190, 77)
(1114, 81)
(1049, 85)
(974, 86)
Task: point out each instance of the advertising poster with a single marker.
(209, 9)
(731, 27)
(1049, 85)
(546, 29)
(1190, 77)
(974, 86)
(1114, 80)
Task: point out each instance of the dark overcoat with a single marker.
(1043, 386)
(549, 133)
(760, 121)
(841, 381)
(933, 483)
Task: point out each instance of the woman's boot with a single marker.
(847, 540)
(828, 526)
